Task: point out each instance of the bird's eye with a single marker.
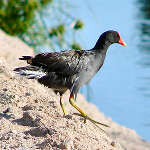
(117, 36)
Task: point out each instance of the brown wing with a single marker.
(65, 62)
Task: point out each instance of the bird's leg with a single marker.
(72, 102)
(83, 114)
(62, 105)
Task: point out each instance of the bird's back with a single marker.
(61, 69)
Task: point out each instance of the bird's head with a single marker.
(112, 37)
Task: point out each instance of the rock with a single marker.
(68, 145)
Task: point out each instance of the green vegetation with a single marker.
(43, 24)
(46, 25)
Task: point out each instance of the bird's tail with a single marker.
(27, 58)
(30, 72)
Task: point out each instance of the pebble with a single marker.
(66, 145)
(4, 89)
(7, 110)
(27, 94)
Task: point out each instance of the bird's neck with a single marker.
(102, 46)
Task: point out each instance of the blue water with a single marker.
(121, 89)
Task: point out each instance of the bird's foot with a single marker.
(84, 115)
(96, 123)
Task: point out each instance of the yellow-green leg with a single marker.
(83, 114)
(62, 105)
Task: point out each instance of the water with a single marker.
(122, 87)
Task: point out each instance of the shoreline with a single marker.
(31, 117)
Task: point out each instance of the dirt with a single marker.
(31, 117)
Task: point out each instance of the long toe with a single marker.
(86, 117)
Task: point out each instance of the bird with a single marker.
(70, 69)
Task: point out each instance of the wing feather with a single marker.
(65, 62)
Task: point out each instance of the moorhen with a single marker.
(69, 70)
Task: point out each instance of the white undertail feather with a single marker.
(30, 74)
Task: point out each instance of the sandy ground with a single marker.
(31, 117)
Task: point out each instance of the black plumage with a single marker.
(69, 69)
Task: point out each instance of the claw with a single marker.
(84, 115)
(93, 121)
